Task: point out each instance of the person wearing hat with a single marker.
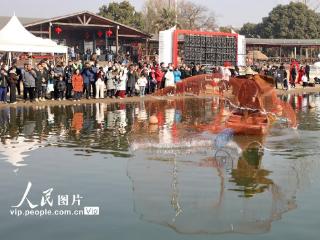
(13, 80)
(250, 73)
(248, 95)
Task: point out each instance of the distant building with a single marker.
(89, 31)
(283, 50)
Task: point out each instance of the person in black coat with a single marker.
(61, 88)
(41, 83)
(18, 72)
(3, 85)
(68, 72)
(293, 76)
(307, 71)
(132, 79)
(13, 79)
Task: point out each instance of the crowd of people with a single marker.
(93, 79)
(77, 80)
(289, 75)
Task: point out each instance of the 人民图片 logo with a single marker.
(47, 203)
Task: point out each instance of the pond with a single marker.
(169, 179)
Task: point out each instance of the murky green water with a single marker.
(157, 181)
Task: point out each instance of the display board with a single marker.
(210, 50)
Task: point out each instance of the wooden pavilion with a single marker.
(88, 30)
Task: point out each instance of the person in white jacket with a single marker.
(142, 82)
(111, 80)
(122, 84)
(100, 85)
(169, 78)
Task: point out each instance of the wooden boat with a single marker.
(253, 124)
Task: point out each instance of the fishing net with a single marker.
(186, 195)
(250, 107)
(197, 185)
(194, 85)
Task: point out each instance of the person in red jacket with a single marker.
(77, 84)
(301, 72)
(159, 76)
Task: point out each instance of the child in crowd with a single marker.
(142, 83)
(304, 80)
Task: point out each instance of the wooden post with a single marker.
(147, 49)
(50, 30)
(106, 38)
(9, 59)
(94, 42)
(280, 54)
(117, 40)
(307, 55)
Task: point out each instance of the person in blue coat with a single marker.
(177, 75)
(88, 79)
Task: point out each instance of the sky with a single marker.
(228, 12)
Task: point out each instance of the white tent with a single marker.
(15, 38)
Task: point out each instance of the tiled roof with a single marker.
(283, 42)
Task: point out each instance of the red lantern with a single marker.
(100, 34)
(109, 33)
(58, 30)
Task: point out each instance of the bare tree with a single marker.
(195, 17)
(166, 20)
(159, 14)
(152, 11)
(209, 22)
